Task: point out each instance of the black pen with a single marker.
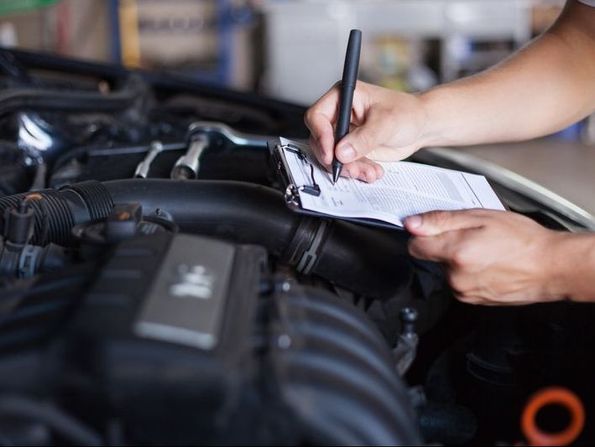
(348, 82)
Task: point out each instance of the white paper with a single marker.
(404, 190)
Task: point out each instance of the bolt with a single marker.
(408, 317)
(284, 341)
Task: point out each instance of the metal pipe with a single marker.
(188, 165)
(142, 169)
(235, 137)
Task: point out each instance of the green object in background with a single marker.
(8, 6)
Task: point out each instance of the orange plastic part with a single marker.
(553, 396)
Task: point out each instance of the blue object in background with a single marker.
(571, 133)
(228, 16)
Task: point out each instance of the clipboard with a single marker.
(406, 189)
(291, 190)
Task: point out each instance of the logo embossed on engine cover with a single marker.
(194, 282)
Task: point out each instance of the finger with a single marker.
(373, 171)
(353, 170)
(479, 301)
(472, 300)
(436, 248)
(326, 106)
(318, 153)
(364, 170)
(438, 222)
(364, 139)
(322, 135)
(319, 119)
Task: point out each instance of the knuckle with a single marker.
(379, 170)
(414, 248)
(454, 283)
(461, 258)
(458, 285)
(440, 217)
(370, 173)
(364, 143)
(309, 116)
(313, 142)
(353, 170)
(434, 217)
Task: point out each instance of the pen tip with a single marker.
(336, 174)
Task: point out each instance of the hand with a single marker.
(491, 257)
(385, 125)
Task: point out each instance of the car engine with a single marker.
(155, 289)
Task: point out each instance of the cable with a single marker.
(59, 421)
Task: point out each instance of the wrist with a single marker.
(433, 102)
(571, 267)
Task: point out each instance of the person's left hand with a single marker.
(491, 257)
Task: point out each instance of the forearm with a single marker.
(541, 89)
(571, 269)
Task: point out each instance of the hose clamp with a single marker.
(310, 256)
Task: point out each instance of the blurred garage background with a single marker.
(294, 50)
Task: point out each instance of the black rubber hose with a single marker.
(364, 260)
(241, 212)
(361, 259)
(57, 211)
(12, 100)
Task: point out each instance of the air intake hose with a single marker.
(367, 261)
(361, 259)
(57, 211)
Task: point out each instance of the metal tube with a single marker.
(188, 164)
(142, 169)
(235, 137)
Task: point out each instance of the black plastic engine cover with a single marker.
(189, 340)
(161, 343)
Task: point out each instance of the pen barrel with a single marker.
(348, 82)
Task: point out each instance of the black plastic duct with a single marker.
(365, 260)
(361, 259)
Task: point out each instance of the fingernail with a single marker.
(346, 151)
(413, 222)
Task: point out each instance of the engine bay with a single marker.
(155, 288)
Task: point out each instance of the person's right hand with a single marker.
(385, 125)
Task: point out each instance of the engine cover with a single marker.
(186, 339)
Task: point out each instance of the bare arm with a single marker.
(492, 257)
(541, 89)
(501, 258)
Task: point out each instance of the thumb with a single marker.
(435, 223)
(363, 139)
(356, 145)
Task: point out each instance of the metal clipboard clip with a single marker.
(292, 192)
